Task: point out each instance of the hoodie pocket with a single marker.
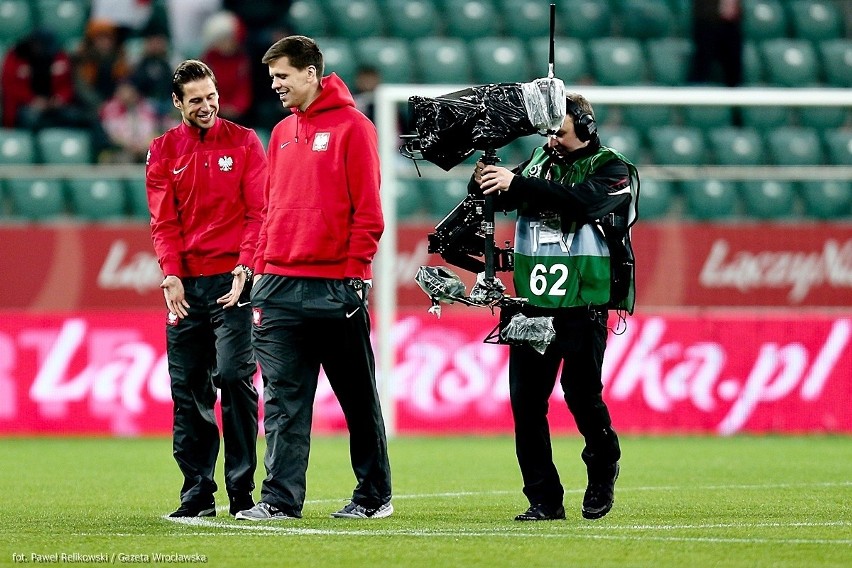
(304, 235)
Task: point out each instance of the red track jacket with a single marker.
(206, 198)
(323, 215)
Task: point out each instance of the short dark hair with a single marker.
(300, 51)
(188, 71)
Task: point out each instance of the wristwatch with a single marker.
(248, 271)
(356, 283)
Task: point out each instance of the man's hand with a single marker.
(174, 294)
(492, 179)
(233, 296)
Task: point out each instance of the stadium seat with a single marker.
(795, 146)
(839, 144)
(584, 19)
(704, 117)
(655, 198)
(624, 139)
(64, 146)
(519, 150)
(338, 57)
(645, 117)
(471, 19)
(16, 146)
(353, 19)
(766, 118)
(816, 20)
(308, 18)
(827, 199)
(412, 18)
(709, 199)
(67, 19)
(16, 20)
(137, 198)
(617, 61)
(500, 60)
(669, 60)
(823, 118)
(768, 199)
(97, 199)
(444, 194)
(645, 19)
(389, 55)
(35, 199)
(752, 65)
(736, 146)
(836, 57)
(790, 62)
(526, 19)
(569, 56)
(443, 60)
(677, 145)
(410, 197)
(763, 19)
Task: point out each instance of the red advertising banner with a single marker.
(81, 267)
(106, 373)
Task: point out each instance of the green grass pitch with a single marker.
(681, 501)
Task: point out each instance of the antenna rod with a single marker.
(552, 40)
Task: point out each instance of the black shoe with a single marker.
(242, 502)
(542, 513)
(600, 493)
(191, 509)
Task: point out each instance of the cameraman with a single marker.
(576, 201)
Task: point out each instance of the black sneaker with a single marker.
(355, 511)
(242, 502)
(600, 493)
(542, 513)
(191, 509)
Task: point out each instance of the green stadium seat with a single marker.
(410, 197)
(16, 146)
(412, 18)
(669, 59)
(137, 197)
(839, 145)
(338, 57)
(471, 19)
(67, 19)
(736, 146)
(752, 65)
(570, 62)
(624, 139)
(389, 55)
(500, 60)
(827, 199)
(617, 61)
(766, 118)
(645, 19)
(307, 17)
(655, 198)
(353, 19)
(763, 19)
(677, 145)
(443, 60)
(64, 146)
(795, 146)
(526, 19)
(768, 199)
(645, 117)
(836, 57)
(790, 62)
(98, 199)
(709, 199)
(823, 118)
(36, 199)
(16, 20)
(584, 19)
(444, 194)
(704, 117)
(816, 20)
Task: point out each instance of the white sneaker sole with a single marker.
(381, 514)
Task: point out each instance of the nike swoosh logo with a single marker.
(285, 143)
(353, 312)
(176, 172)
(241, 304)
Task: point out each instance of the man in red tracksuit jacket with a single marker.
(321, 227)
(205, 180)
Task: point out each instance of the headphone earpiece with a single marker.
(585, 126)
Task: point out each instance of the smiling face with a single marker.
(199, 106)
(295, 87)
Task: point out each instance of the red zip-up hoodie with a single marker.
(205, 192)
(322, 212)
